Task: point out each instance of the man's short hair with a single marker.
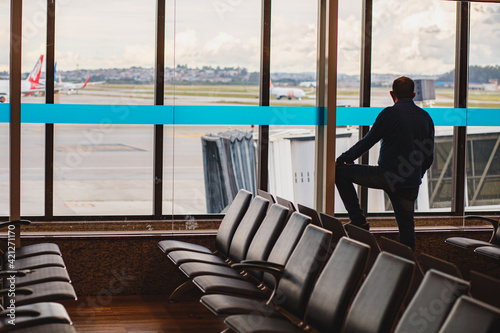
(403, 87)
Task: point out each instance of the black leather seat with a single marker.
(40, 275)
(490, 251)
(335, 226)
(366, 237)
(329, 299)
(441, 265)
(48, 328)
(432, 302)
(239, 243)
(299, 272)
(470, 315)
(259, 249)
(467, 243)
(379, 299)
(29, 317)
(288, 204)
(485, 288)
(54, 291)
(226, 230)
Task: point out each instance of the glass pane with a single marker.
(483, 155)
(104, 168)
(4, 87)
(416, 39)
(215, 63)
(32, 88)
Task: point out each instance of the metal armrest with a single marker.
(276, 273)
(493, 222)
(16, 223)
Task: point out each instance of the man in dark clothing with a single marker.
(406, 152)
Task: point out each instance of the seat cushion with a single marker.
(228, 305)
(175, 245)
(181, 257)
(28, 316)
(193, 269)
(466, 243)
(45, 260)
(46, 292)
(37, 249)
(222, 285)
(48, 328)
(491, 251)
(46, 274)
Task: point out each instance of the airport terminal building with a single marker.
(156, 156)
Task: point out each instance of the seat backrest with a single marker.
(485, 288)
(377, 303)
(312, 213)
(267, 195)
(441, 265)
(432, 303)
(336, 285)
(364, 236)
(406, 252)
(266, 236)
(247, 228)
(302, 269)
(288, 204)
(231, 220)
(470, 315)
(335, 226)
(286, 243)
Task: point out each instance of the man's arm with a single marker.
(429, 156)
(363, 145)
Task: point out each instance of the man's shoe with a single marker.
(365, 226)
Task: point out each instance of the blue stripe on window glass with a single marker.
(483, 117)
(230, 115)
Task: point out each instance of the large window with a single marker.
(4, 127)
(104, 168)
(483, 155)
(416, 39)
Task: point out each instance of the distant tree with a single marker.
(477, 74)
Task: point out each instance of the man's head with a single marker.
(403, 87)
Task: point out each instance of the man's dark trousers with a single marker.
(402, 199)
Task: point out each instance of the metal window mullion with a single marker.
(365, 83)
(49, 99)
(159, 84)
(16, 17)
(265, 77)
(461, 87)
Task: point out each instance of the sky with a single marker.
(409, 37)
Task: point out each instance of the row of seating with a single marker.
(34, 279)
(264, 276)
(490, 248)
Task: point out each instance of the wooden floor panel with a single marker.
(141, 314)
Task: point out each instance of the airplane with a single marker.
(67, 87)
(28, 86)
(286, 92)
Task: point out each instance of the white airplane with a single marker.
(286, 92)
(67, 87)
(28, 86)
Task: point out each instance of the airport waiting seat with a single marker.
(268, 196)
(32, 318)
(288, 204)
(226, 230)
(299, 272)
(312, 213)
(335, 226)
(470, 315)
(328, 302)
(404, 251)
(281, 252)
(437, 290)
(366, 237)
(485, 288)
(468, 243)
(259, 248)
(441, 265)
(240, 242)
(53, 291)
(377, 303)
(490, 251)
